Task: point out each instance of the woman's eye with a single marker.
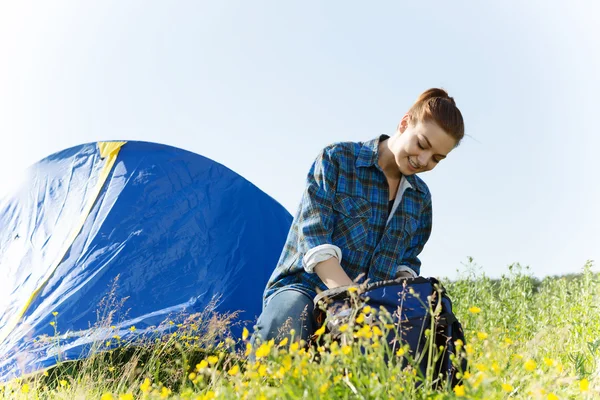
(420, 145)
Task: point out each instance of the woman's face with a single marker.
(421, 147)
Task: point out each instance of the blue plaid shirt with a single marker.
(345, 203)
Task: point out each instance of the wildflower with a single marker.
(248, 349)
(25, 388)
(496, 368)
(474, 310)
(107, 396)
(481, 367)
(346, 349)
(146, 386)
(192, 376)
(530, 365)
(55, 313)
(126, 396)
(552, 396)
(344, 328)
(245, 333)
(482, 335)
(262, 370)
(164, 392)
(283, 342)
(508, 341)
(203, 364)
(459, 390)
(323, 388)
(63, 383)
(212, 360)
(507, 387)
(294, 347)
(52, 323)
(320, 331)
(262, 351)
(584, 385)
(400, 352)
(467, 375)
(132, 328)
(361, 318)
(377, 331)
(548, 361)
(366, 309)
(117, 337)
(107, 344)
(469, 349)
(234, 370)
(352, 289)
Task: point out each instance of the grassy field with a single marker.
(525, 339)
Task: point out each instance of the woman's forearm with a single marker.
(332, 274)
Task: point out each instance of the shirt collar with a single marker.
(369, 154)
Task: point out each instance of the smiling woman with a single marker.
(364, 214)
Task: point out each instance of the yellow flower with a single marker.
(192, 376)
(55, 313)
(507, 387)
(459, 390)
(146, 386)
(53, 323)
(212, 360)
(63, 382)
(548, 361)
(262, 351)
(361, 318)
(467, 375)
(346, 349)
(400, 352)
(508, 341)
(283, 342)
(377, 331)
(481, 367)
(294, 347)
(366, 309)
(552, 396)
(248, 349)
(469, 349)
(474, 310)
(126, 396)
(324, 388)
(107, 396)
(203, 364)
(245, 333)
(530, 365)
(262, 370)
(165, 392)
(352, 289)
(25, 388)
(482, 335)
(234, 370)
(132, 328)
(320, 331)
(344, 328)
(584, 385)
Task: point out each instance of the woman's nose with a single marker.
(423, 158)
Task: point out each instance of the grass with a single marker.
(526, 338)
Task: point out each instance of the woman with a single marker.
(364, 215)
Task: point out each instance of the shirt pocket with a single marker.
(411, 224)
(351, 221)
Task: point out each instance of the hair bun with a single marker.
(433, 93)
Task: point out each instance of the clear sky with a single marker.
(262, 86)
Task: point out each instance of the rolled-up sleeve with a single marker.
(315, 216)
(421, 236)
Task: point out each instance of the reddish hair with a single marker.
(434, 105)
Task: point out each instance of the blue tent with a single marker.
(175, 228)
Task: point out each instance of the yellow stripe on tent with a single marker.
(108, 152)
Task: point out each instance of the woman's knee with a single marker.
(286, 312)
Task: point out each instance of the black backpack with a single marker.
(408, 301)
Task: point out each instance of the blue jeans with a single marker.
(287, 309)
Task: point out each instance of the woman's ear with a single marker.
(403, 123)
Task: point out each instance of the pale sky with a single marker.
(262, 86)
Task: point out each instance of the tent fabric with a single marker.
(174, 229)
